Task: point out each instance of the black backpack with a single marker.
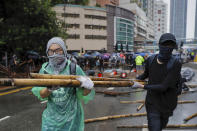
(169, 66)
(72, 67)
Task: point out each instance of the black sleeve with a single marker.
(146, 71)
(169, 81)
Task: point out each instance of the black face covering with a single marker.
(165, 53)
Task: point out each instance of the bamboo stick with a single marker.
(49, 76)
(142, 101)
(185, 102)
(140, 107)
(61, 82)
(114, 117)
(190, 117)
(182, 126)
(113, 93)
(132, 102)
(192, 85)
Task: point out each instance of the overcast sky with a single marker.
(190, 17)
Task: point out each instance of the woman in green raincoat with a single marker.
(64, 110)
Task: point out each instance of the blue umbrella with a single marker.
(95, 54)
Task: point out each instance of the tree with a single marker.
(28, 25)
(77, 2)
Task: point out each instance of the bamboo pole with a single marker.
(190, 117)
(140, 107)
(182, 126)
(117, 93)
(142, 101)
(112, 93)
(185, 102)
(61, 82)
(192, 85)
(114, 117)
(49, 76)
(132, 102)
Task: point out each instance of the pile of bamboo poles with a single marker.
(64, 80)
(4, 70)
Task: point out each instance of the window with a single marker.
(95, 27)
(158, 19)
(73, 36)
(98, 37)
(159, 11)
(95, 17)
(158, 29)
(70, 15)
(72, 25)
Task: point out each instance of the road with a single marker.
(21, 111)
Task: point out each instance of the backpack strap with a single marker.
(151, 59)
(72, 68)
(171, 63)
(45, 72)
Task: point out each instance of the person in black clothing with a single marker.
(161, 98)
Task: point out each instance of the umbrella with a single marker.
(88, 56)
(75, 54)
(105, 56)
(95, 54)
(32, 55)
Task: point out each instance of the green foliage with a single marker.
(76, 2)
(97, 5)
(28, 25)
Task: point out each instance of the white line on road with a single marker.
(44, 101)
(144, 129)
(4, 118)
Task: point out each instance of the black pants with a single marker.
(156, 120)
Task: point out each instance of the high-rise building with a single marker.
(150, 8)
(160, 18)
(120, 28)
(178, 18)
(195, 33)
(102, 3)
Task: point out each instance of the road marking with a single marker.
(144, 129)
(44, 102)
(14, 91)
(4, 118)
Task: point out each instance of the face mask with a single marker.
(165, 53)
(57, 62)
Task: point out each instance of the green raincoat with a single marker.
(64, 110)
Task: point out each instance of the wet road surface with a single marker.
(21, 111)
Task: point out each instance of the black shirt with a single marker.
(161, 87)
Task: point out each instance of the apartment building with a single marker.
(160, 18)
(86, 27)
